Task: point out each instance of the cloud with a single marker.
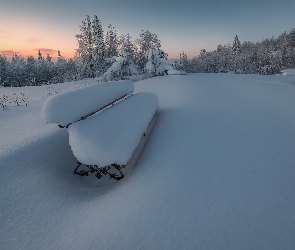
(46, 51)
(33, 39)
(4, 34)
(8, 52)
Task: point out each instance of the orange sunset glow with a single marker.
(27, 38)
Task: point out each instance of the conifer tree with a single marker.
(146, 41)
(3, 70)
(236, 48)
(84, 53)
(17, 71)
(60, 68)
(40, 55)
(125, 41)
(111, 41)
(31, 71)
(99, 49)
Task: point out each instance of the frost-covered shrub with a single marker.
(13, 100)
(122, 68)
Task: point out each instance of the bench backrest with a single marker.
(72, 106)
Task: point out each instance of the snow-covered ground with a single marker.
(217, 172)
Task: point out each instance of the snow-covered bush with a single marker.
(13, 100)
(158, 65)
(122, 68)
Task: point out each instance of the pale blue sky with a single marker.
(181, 25)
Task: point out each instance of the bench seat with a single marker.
(111, 136)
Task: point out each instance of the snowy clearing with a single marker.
(217, 172)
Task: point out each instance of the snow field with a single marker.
(23, 125)
(217, 173)
(71, 106)
(112, 136)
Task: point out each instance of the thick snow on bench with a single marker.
(71, 106)
(112, 136)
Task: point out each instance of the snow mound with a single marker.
(112, 136)
(288, 72)
(71, 106)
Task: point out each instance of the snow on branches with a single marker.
(122, 68)
(91, 52)
(158, 64)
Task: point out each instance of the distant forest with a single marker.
(267, 57)
(114, 57)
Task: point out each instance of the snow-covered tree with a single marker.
(31, 71)
(203, 54)
(43, 71)
(99, 49)
(186, 65)
(84, 53)
(40, 55)
(4, 64)
(91, 53)
(111, 41)
(236, 48)
(158, 64)
(60, 68)
(146, 41)
(122, 68)
(125, 42)
(16, 76)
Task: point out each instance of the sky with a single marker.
(183, 25)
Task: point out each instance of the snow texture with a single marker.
(112, 136)
(216, 173)
(71, 106)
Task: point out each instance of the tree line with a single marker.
(111, 56)
(267, 57)
(34, 72)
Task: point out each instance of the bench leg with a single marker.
(115, 176)
(99, 171)
(82, 172)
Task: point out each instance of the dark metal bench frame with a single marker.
(99, 171)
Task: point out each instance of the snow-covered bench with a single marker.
(109, 139)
